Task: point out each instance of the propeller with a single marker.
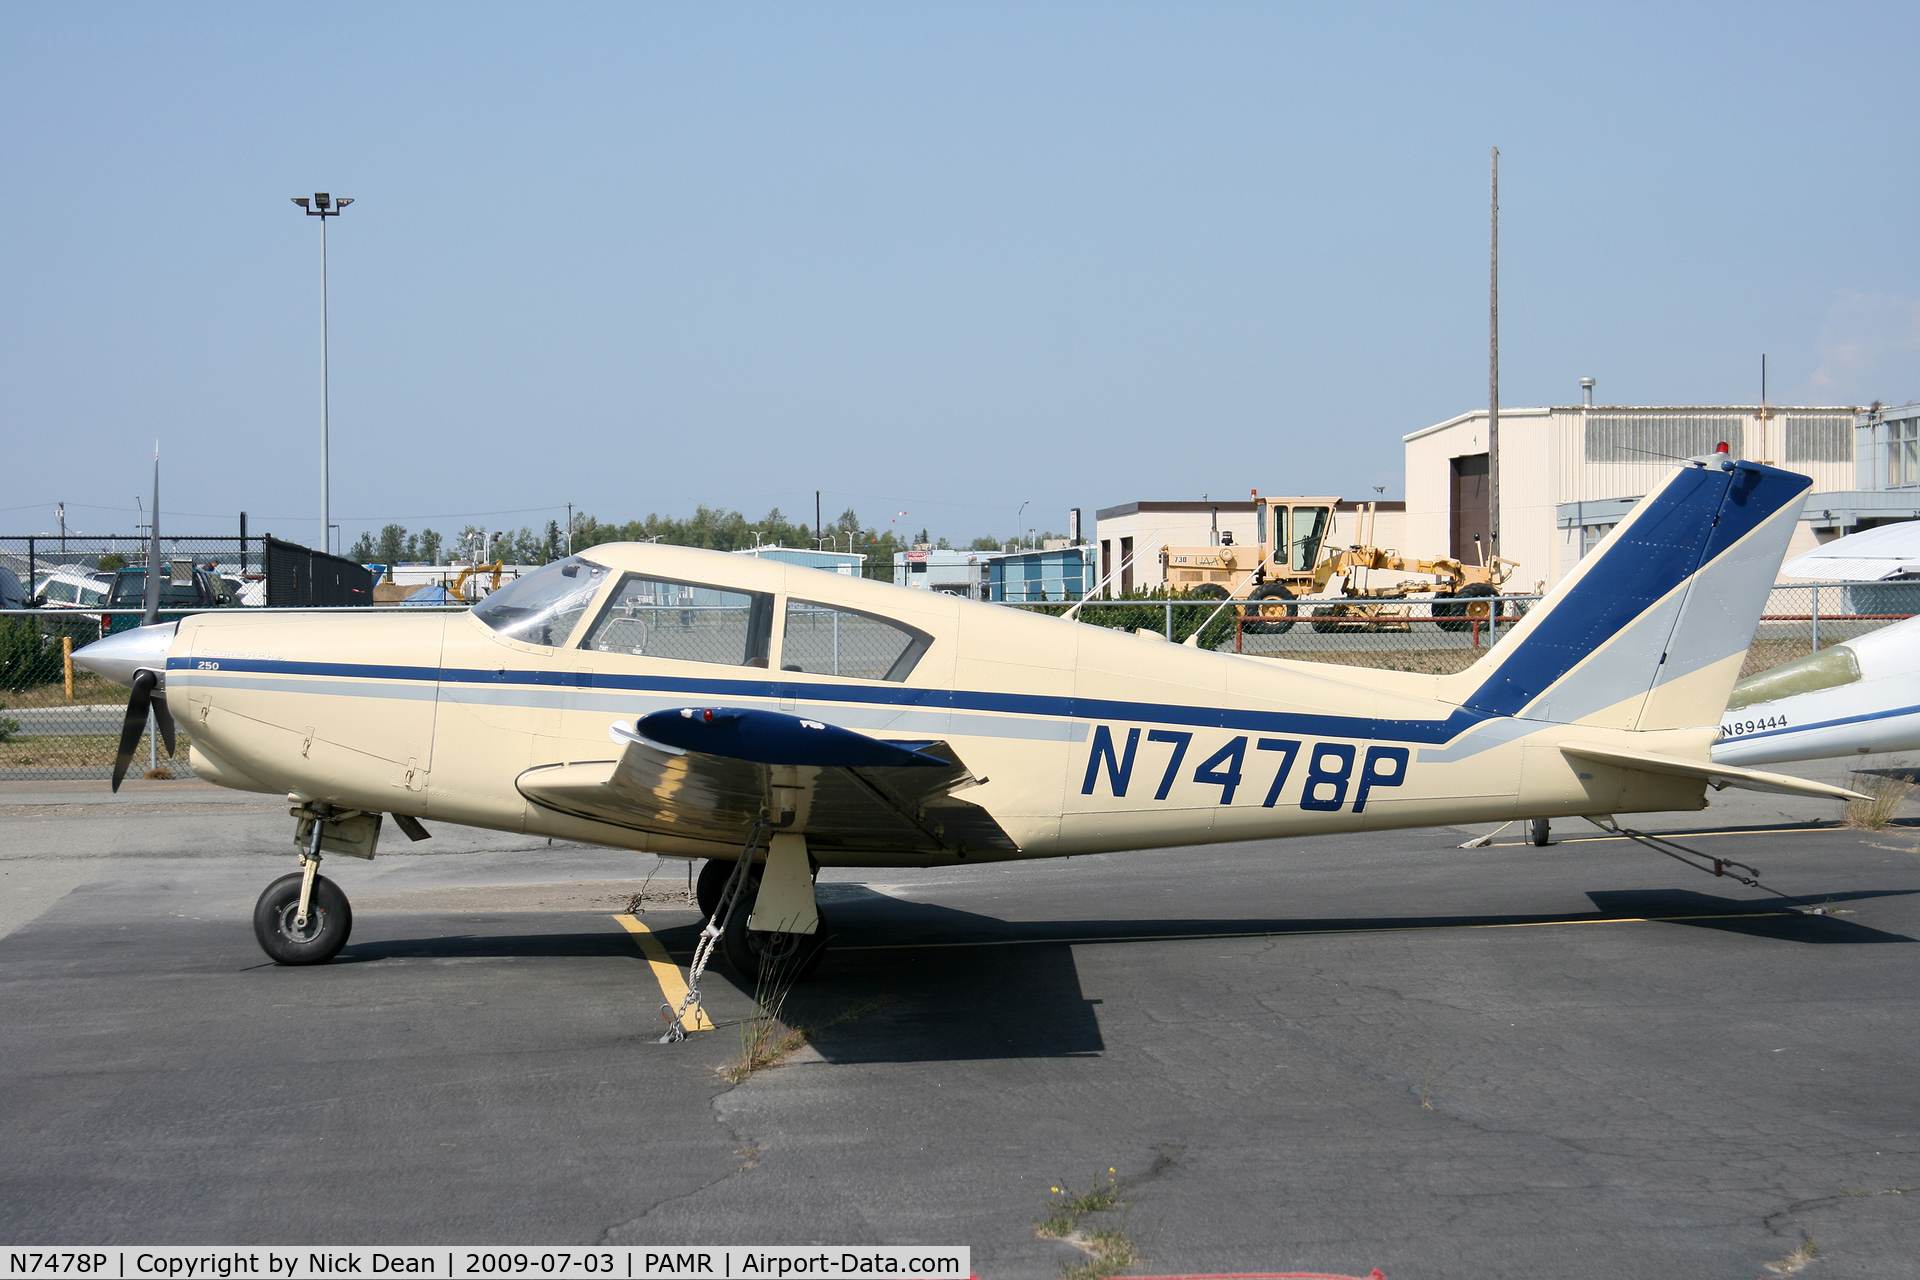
(142, 700)
(138, 705)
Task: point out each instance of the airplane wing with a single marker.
(711, 773)
(1721, 775)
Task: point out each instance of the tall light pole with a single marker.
(1493, 362)
(323, 206)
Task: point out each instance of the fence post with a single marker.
(1815, 611)
(1169, 620)
(66, 661)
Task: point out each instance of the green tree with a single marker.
(429, 549)
(362, 549)
(391, 548)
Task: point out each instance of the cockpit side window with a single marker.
(689, 621)
(828, 640)
(544, 606)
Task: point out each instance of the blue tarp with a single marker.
(434, 594)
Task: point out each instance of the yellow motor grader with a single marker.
(1291, 567)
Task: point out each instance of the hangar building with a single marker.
(1569, 474)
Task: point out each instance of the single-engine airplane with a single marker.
(775, 719)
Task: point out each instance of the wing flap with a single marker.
(671, 790)
(1720, 775)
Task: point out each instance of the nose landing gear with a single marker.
(303, 917)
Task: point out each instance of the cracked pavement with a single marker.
(1368, 1051)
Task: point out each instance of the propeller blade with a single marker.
(164, 718)
(134, 725)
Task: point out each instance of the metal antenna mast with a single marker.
(1493, 367)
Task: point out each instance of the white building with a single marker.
(1568, 475)
(1136, 531)
(850, 564)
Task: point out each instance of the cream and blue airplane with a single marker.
(699, 705)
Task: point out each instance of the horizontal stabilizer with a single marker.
(769, 737)
(1720, 775)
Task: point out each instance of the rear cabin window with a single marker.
(690, 621)
(827, 640)
(544, 606)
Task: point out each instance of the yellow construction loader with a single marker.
(1291, 567)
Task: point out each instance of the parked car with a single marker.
(67, 588)
(12, 596)
(186, 590)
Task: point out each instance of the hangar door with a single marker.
(1468, 510)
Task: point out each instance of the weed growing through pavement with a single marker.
(1109, 1252)
(1795, 1261)
(1888, 790)
(767, 1039)
(1108, 1248)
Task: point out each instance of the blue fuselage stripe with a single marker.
(1430, 732)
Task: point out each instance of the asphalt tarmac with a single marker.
(1367, 1051)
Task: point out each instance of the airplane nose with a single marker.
(124, 654)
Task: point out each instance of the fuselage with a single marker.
(1086, 740)
(1859, 697)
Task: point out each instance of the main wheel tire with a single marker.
(712, 882)
(1447, 613)
(768, 959)
(329, 921)
(1258, 613)
(1208, 591)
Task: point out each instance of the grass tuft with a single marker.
(1795, 1261)
(1887, 789)
(767, 1040)
(1108, 1249)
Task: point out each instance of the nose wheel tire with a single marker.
(329, 921)
(771, 958)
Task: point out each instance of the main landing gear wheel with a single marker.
(329, 921)
(711, 882)
(771, 958)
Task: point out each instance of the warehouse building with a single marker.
(1569, 474)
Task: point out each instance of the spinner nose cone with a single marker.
(124, 654)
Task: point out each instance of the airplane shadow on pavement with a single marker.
(932, 983)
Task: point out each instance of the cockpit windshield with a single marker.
(544, 606)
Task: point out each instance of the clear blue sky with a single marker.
(936, 258)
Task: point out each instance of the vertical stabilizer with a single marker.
(1649, 631)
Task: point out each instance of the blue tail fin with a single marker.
(1649, 631)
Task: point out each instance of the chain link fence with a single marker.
(59, 722)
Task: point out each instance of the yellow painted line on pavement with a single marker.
(672, 985)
